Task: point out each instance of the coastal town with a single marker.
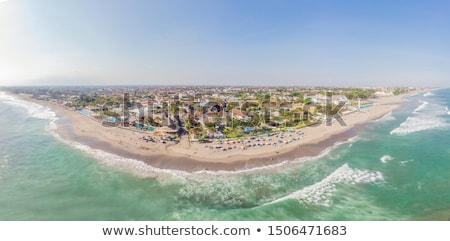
(199, 128)
(229, 123)
(206, 114)
(175, 119)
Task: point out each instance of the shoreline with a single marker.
(194, 157)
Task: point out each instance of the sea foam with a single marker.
(416, 124)
(137, 167)
(33, 110)
(284, 163)
(321, 193)
(142, 169)
(428, 94)
(426, 116)
(37, 111)
(386, 158)
(421, 107)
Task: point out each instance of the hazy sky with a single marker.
(300, 42)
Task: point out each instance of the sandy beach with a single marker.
(232, 155)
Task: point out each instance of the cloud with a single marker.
(2, 1)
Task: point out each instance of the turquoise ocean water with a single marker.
(398, 168)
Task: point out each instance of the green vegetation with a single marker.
(110, 113)
(399, 91)
(360, 93)
(233, 132)
(264, 109)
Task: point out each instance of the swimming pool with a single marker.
(365, 106)
(83, 112)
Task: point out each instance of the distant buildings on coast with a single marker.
(210, 112)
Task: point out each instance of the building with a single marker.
(239, 115)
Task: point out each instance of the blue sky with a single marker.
(214, 42)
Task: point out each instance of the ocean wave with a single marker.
(421, 107)
(386, 158)
(33, 110)
(403, 163)
(321, 192)
(51, 124)
(229, 191)
(426, 116)
(446, 109)
(137, 167)
(416, 124)
(428, 94)
(6, 97)
(281, 164)
(142, 169)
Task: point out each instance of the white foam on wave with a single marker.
(321, 192)
(51, 125)
(403, 163)
(426, 116)
(113, 160)
(416, 124)
(223, 192)
(386, 158)
(135, 166)
(281, 164)
(34, 110)
(428, 94)
(421, 107)
(5, 97)
(446, 109)
(142, 169)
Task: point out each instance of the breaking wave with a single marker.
(135, 166)
(416, 124)
(421, 107)
(321, 192)
(428, 94)
(426, 116)
(33, 110)
(386, 158)
(284, 163)
(142, 169)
